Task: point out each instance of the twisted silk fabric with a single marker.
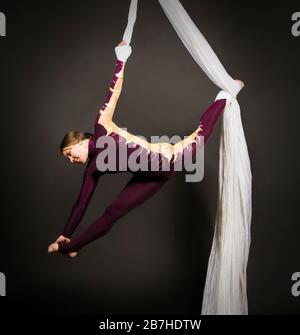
(225, 289)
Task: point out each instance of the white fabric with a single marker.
(123, 52)
(226, 282)
(225, 289)
(131, 21)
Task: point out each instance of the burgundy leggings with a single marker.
(140, 188)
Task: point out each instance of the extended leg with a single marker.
(210, 117)
(206, 126)
(138, 190)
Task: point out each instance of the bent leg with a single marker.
(138, 190)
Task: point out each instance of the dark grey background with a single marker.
(56, 65)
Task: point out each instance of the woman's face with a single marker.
(77, 153)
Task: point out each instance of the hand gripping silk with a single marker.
(225, 289)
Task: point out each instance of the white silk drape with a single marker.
(225, 289)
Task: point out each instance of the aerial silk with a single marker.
(225, 289)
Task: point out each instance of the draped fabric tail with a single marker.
(225, 289)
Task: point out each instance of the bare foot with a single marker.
(72, 254)
(62, 238)
(67, 240)
(54, 247)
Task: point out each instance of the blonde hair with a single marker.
(73, 137)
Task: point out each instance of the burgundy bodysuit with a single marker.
(143, 184)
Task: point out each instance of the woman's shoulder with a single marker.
(99, 127)
(103, 124)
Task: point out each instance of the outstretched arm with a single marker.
(137, 191)
(87, 189)
(123, 51)
(108, 109)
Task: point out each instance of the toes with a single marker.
(72, 254)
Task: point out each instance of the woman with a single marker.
(81, 148)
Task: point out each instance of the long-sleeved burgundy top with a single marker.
(143, 183)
